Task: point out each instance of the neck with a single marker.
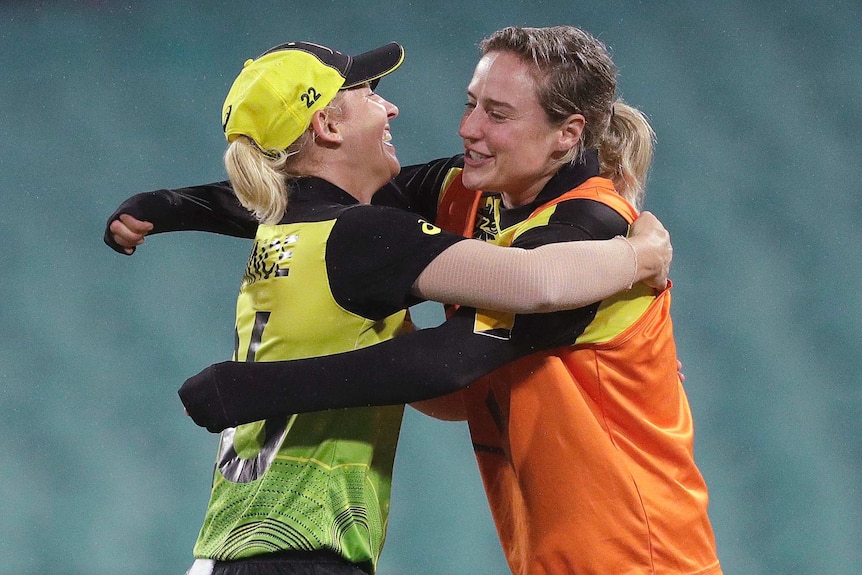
(361, 190)
(525, 196)
(328, 167)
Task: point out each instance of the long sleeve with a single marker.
(214, 207)
(417, 366)
(207, 208)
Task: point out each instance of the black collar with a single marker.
(314, 189)
(567, 178)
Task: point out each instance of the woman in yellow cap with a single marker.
(310, 144)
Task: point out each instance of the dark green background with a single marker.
(758, 110)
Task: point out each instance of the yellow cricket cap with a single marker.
(274, 97)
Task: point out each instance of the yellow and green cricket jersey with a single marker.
(332, 276)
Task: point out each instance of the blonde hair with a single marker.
(261, 180)
(626, 152)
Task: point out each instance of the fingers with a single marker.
(647, 218)
(651, 224)
(136, 225)
(129, 232)
(657, 282)
(664, 249)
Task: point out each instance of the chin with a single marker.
(471, 181)
(394, 169)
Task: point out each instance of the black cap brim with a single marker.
(370, 66)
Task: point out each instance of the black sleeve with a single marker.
(208, 208)
(421, 365)
(374, 255)
(417, 188)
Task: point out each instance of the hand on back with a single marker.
(651, 242)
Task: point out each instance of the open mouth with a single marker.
(474, 156)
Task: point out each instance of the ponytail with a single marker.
(626, 151)
(259, 180)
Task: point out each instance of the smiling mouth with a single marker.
(475, 156)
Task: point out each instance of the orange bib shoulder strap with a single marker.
(457, 207)
(598, 189)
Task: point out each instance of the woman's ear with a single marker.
(325, 128)
(570, 131)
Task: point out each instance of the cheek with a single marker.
(506, 141)
(530, 148)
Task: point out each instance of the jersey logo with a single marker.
(429, 229)
(269, 258)
(485, 227)
(226, 117)
(500, 417)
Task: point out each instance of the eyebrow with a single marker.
(490, 102)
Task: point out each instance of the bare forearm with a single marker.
(549, 278)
